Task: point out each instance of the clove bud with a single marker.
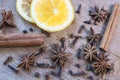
(78, 10)
(37, 75)
(62, 41)
(58, 74)
(8, 60)
(41, 50)
(78, 74)
(78, 55)
(81, 28)
(13, 69)
(88, 22)
(75, 40)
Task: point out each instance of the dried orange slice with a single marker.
(23, 8)
(52, 15)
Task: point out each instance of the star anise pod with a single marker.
(90, 52)
(98, 15)
(93, 38)
(58, 56)
(7, 19)
(27, 61)
(101, 66)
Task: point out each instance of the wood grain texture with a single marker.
(7, 74)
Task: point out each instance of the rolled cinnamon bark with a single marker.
(21, 40)
(109, 32)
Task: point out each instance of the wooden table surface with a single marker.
(7, 74)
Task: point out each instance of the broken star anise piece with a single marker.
(7, 19)
(98, 15)
(101, 66)
(58, 56)
(93, 38)
(90, 52)
(27, 61)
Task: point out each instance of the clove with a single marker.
(47, 77)
(37, 75)
(13, 69)
(89, 67)
(8, 60)
(79, 9)
(77, 65)
(75, 40)
(62, 41)
(88, 22)
(71, 35)
(41, 50)
(46, 33)
(78, 74)
(90, 78)
(58, 74)
(78, 55)
(43, 65)
(81, 28)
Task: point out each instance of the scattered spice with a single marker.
(98, 15)
(27, 61)
(62, 41)
(13, 69)
(7, 19)
(37, 74)
(89, 67)
(70, 72)
(101, 66)
(81, 28)
(75, 40)
(31, 29)
(58, 74)
(90, 78)
(41, 50)
(8, 60)
(88, 22)
(47, 77)
(90, 52)
(25, 31)
(78, 74)
(93, 38)
(78, 55)
(77, 65)
(79, 9)
(58, 55)
(71, 35)
(46, 33)
(43, 65)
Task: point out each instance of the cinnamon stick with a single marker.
(21, 40)
(108, 35)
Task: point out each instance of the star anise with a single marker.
(58, 56)
(90, 52)
(27, 61)
(93, 38)
(7, 19)
(101, 66)
(98, 15)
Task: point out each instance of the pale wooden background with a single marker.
(7, 74)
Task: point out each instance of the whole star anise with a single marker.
(98, 15)
(58, 56)
(7, 19)
(90, 52)
(27, 61)
(93, 38)
(101, 66)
